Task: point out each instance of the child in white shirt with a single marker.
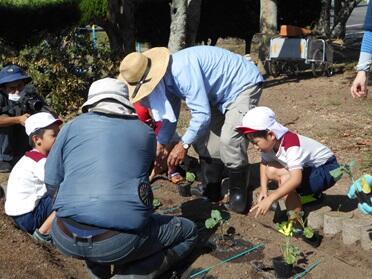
(26, 199)
(299, 164)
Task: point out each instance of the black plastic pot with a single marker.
(364, 198)
(314, 241)
(282, 269)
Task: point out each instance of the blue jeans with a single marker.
(144, 247)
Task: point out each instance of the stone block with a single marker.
(333, 222)
(366, 237)
(315, 219)
(351, 232)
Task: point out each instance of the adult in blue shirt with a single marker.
(219, 87)
(359, 87)
(99, 168)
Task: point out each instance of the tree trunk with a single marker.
(192, 21)
(127, 25)
(268, 17)
(120, 26)
(323, 26)
(342, 12)
(177, 37)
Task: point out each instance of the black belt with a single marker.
(260, 84)
(99, 237)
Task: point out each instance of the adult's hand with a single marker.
(160, 161)
(176, 156)
(22, 118)
(359, 87)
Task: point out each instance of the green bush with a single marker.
(62, 68)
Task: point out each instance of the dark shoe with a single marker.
(239, 200)
(5, 167)
(144, 269)
(211, 176)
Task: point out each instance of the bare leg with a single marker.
(46, 227)
(277, 172)
(293, 202)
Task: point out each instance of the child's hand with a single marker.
(262, 207)
(263, 194)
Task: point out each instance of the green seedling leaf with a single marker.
(337, 173)
(308, 232)
(290, 259)
(190, 177)
(216, 214)
(156, 203)
(210, 223)
(290, 253)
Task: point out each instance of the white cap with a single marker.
(40, 120)
(259, 119)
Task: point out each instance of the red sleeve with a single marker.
(289, 140)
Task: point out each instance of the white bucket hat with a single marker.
(260, 119)
(104, 89)
(40, 120)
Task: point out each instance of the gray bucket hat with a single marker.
(107, 88)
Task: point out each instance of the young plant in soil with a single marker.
(283, 265)
(225, 239)
(216, 220)
(308, 234)
(347, 169)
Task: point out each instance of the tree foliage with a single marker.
(62, 68)
(92, 9)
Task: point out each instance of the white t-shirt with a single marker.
(26, 184)
(296, 152)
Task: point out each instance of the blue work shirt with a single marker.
(97, 164)
(365, 56)
(204, 76)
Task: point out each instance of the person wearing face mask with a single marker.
(13, 138)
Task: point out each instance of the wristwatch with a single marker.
(185, 145)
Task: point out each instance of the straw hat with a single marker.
(143, 71)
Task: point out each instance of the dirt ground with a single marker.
(320, 108)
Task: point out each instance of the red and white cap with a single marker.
(260, 119)
(40, 120)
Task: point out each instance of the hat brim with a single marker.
(245, 130)
(16, 77)
(98, 98)
(159, 63)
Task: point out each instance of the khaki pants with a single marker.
(223, 141)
